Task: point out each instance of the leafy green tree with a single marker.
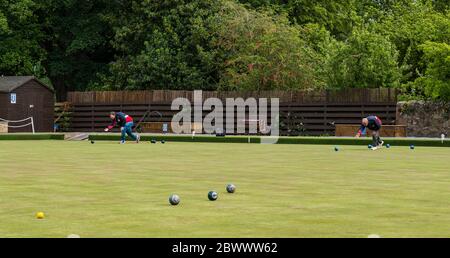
(408, 25)
(263, 52)
(338, 17)
(366, 60)
(20, 52)
(3, 22)
(441, 5)
(318, 38)
(206, 44)
(165, 45)
(259, 3)
(64, 41)
(77, 35)
(435, 84)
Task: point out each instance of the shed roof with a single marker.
(10, 83)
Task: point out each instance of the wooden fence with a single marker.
(301, 113)
(378, 95)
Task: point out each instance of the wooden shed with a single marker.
(23, 98)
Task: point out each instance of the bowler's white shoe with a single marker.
(138, 138)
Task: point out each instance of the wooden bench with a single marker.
(157, 127)
(386, 130)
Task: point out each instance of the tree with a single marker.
(64, 41)
(20, 52)
(3, 22)
(441, 5)
(210, 44)
(263, 52)
(165, 45)
(77, 34)
(436, 81)
(366, 60)
(318, 38)
(338, 17)
(408, 25)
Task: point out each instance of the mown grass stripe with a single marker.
(281, 140)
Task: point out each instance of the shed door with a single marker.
(34, 107)
(30, 108)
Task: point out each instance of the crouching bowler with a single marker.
(126, 126)
(374, 124)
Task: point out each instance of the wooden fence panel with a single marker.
(296, 119)
(301, 112)
(321, 96)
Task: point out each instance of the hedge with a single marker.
(241, 139)
(39, 136)
(180, 138)
(282, 140)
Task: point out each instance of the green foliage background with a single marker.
(229, 45)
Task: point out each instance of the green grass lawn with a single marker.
(111, 190)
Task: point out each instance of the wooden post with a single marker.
(92, 117)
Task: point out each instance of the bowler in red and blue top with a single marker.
(126, 126)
